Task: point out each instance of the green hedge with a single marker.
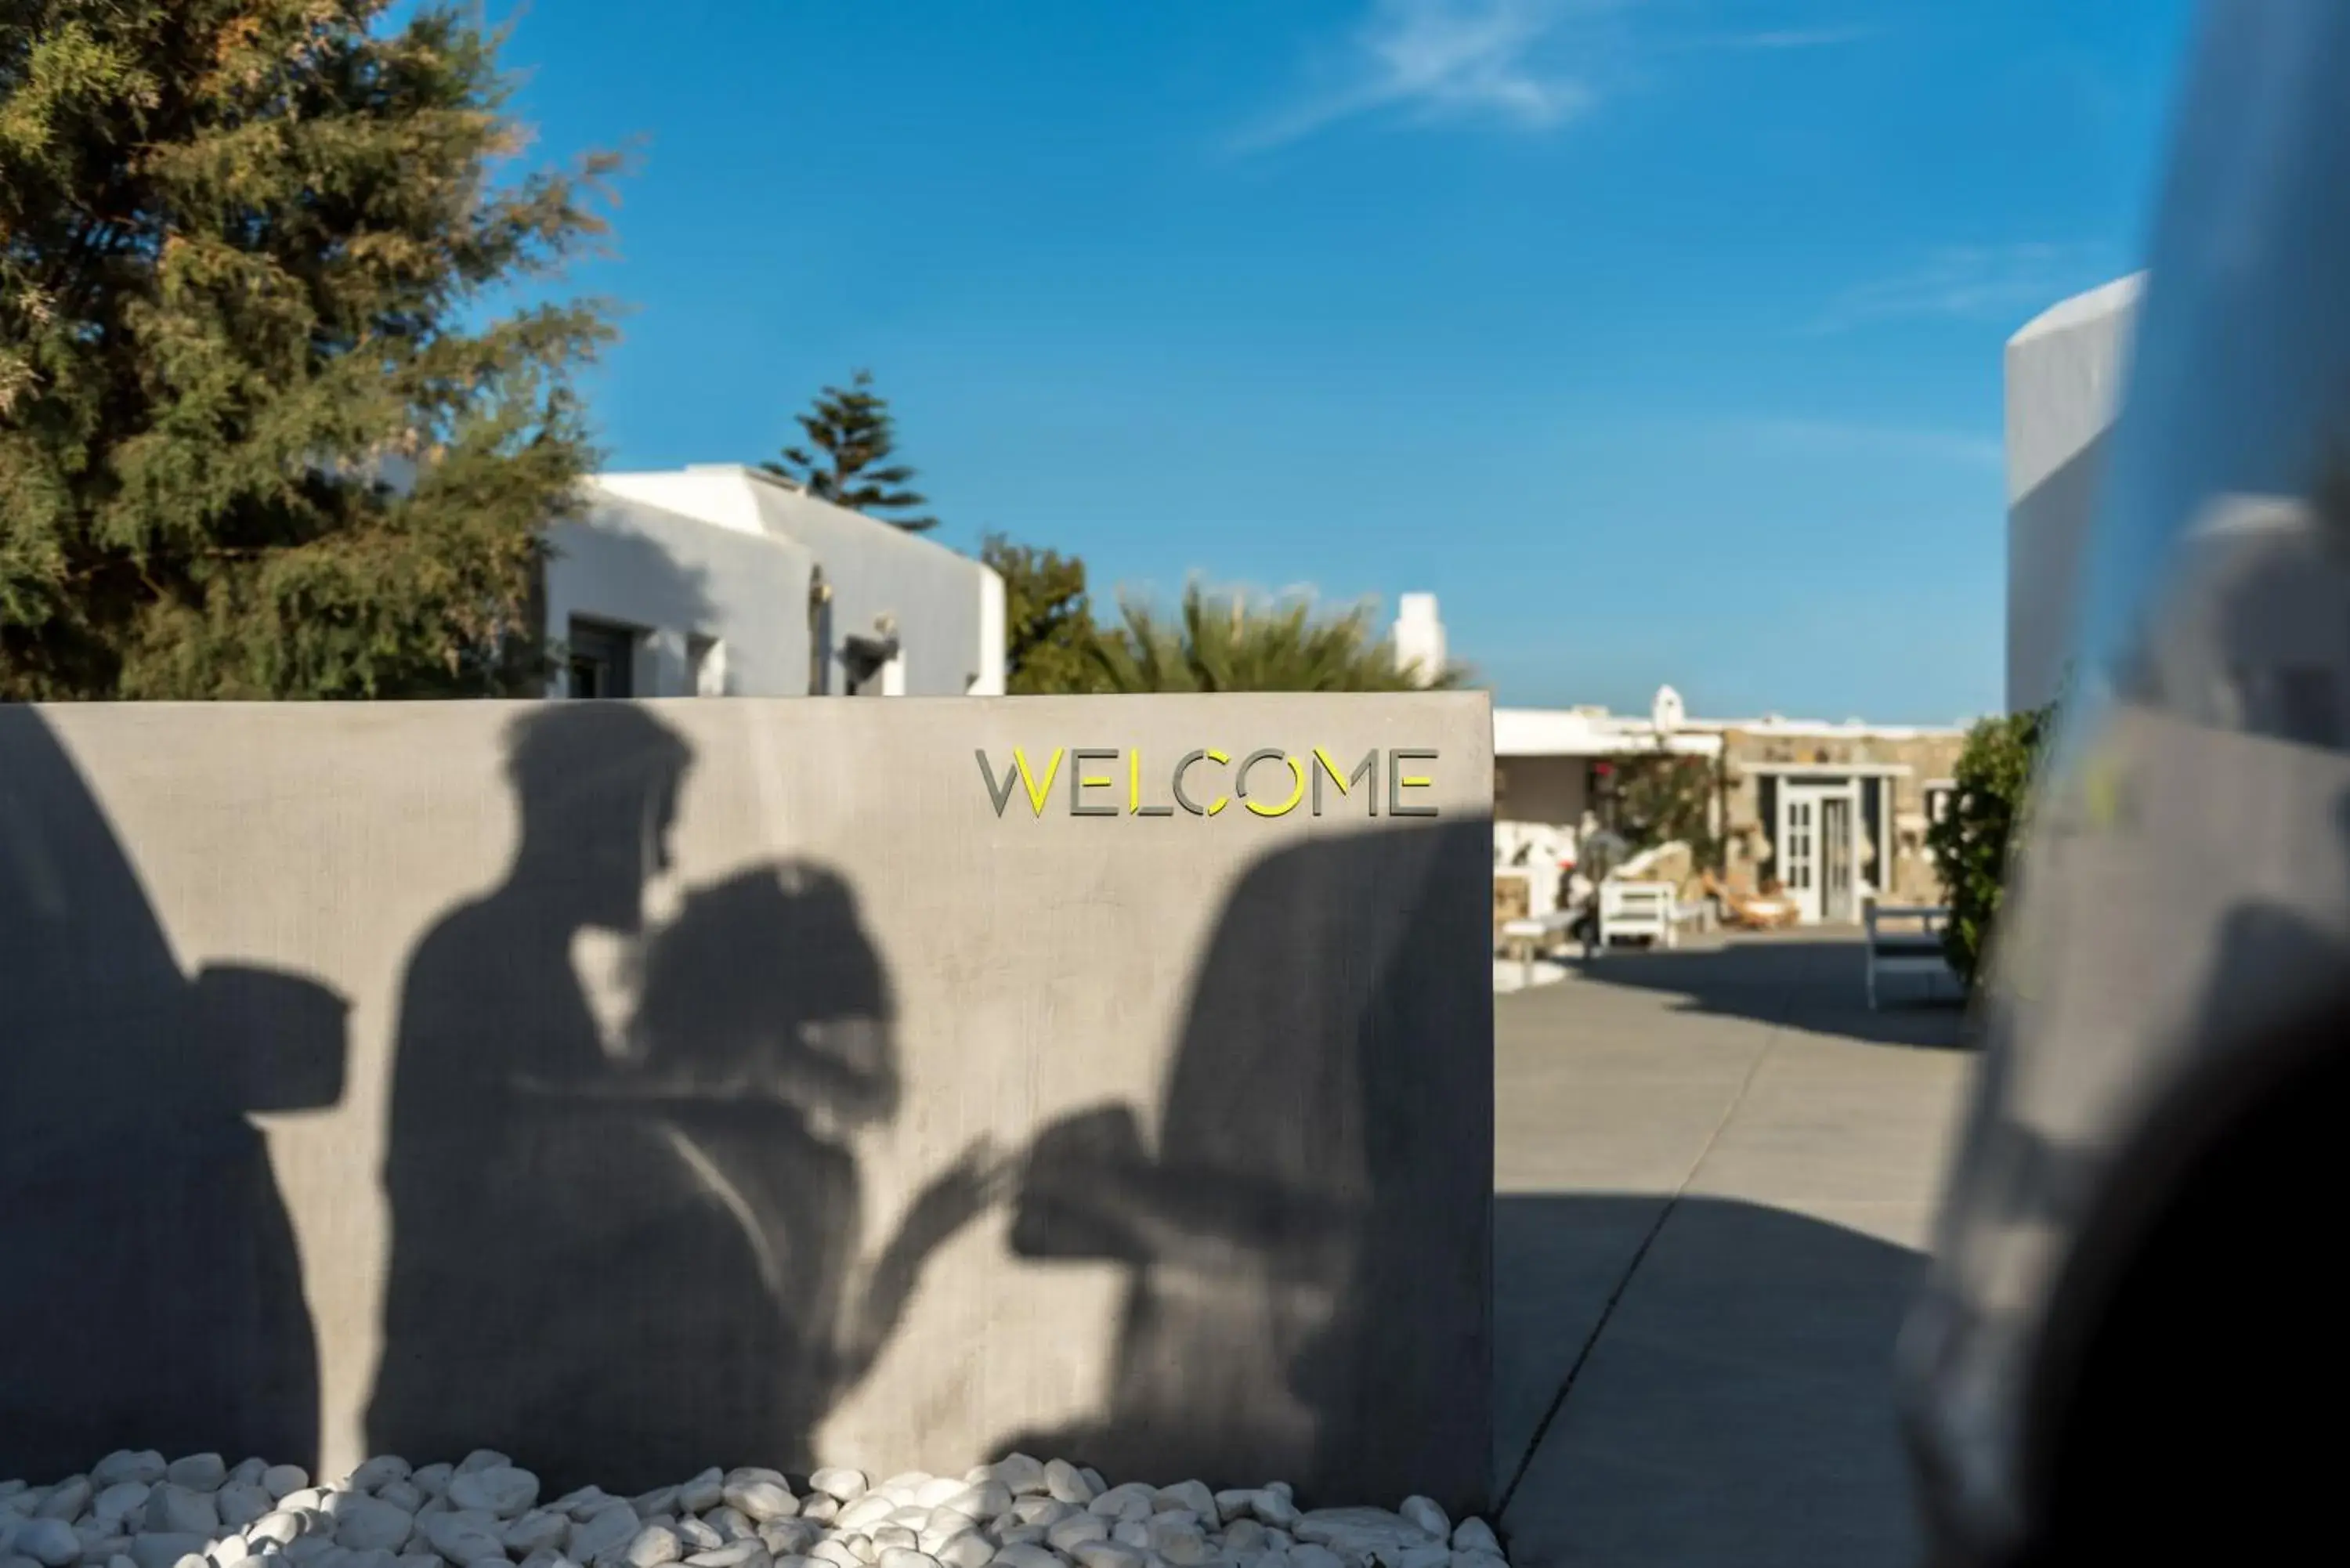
(1972, 841)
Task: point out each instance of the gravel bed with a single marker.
(137, 1511)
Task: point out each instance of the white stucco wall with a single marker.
(674, 577)
(948, 610)
(2063, 376)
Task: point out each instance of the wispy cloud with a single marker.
(1828, 438)
(1970, 282)
(1785, 38)
(1501, 61)
(1516, 65)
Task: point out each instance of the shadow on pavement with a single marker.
(1813, 981)
(1729, 1389)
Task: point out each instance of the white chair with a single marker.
(1528, 938)
(1906, 939)
(1631, 909)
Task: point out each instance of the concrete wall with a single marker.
(674, 577)
(947, 608)
(2063, 376)
(927, 1126)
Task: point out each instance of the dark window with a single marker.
(603, 659)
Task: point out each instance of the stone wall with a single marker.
(635, 1087)
(1929, 757)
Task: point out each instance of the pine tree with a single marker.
(256, 438)
(853, 428)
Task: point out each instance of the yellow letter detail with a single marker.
(1296, 792)
(1037, 788)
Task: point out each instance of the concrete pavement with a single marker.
(1714, 1172)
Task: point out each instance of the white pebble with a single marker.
(49, 1540)
(540, 1530)
(239, 1503)
(763, 1500)
(942, 1526)
(870, 1509)
(900, 1557)
(704, 1493)
(462, 1538)
(282, 1482)
(1027, 1555)
(1177, 1537)
(1429, 1515)
(277, 1527)
(1068, 1484)
(197, 1472)
(504, 1490)
(375, 1474)
(123, 1464)
(117, 1503)
(364, 1523)
(984, 1501)
(161, 1549)
(1109, 1555)
(229, 1550)
(66, 1500)
(969, 1550)
(843, 1485)
(603, 1533)
(732, 1554)
(173, 1508)
(1075, 1530)
(653, 1547)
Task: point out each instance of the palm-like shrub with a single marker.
(1228, 642)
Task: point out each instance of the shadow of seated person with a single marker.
(151, 1288)
(766, 1037)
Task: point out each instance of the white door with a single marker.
(1818, 825)
(1837, 815)
(1799, 849)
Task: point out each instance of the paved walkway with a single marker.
(1714, 1170)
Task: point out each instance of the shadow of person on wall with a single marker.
(151, 1294)
(1309, 1246)
(620, 1261)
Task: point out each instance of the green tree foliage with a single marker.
(1972, 844)
(1049, 636)
(851, 427)
(1227, 643)
(250, 254)
(1663, 797)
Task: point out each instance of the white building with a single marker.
(1830, 813)
(2063, 376)
(723, 580)
(1419, 638)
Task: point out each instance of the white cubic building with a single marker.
(2064, 378)
(724, 580)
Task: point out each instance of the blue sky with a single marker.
(1659, 338)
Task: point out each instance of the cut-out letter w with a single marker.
(999, 790)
